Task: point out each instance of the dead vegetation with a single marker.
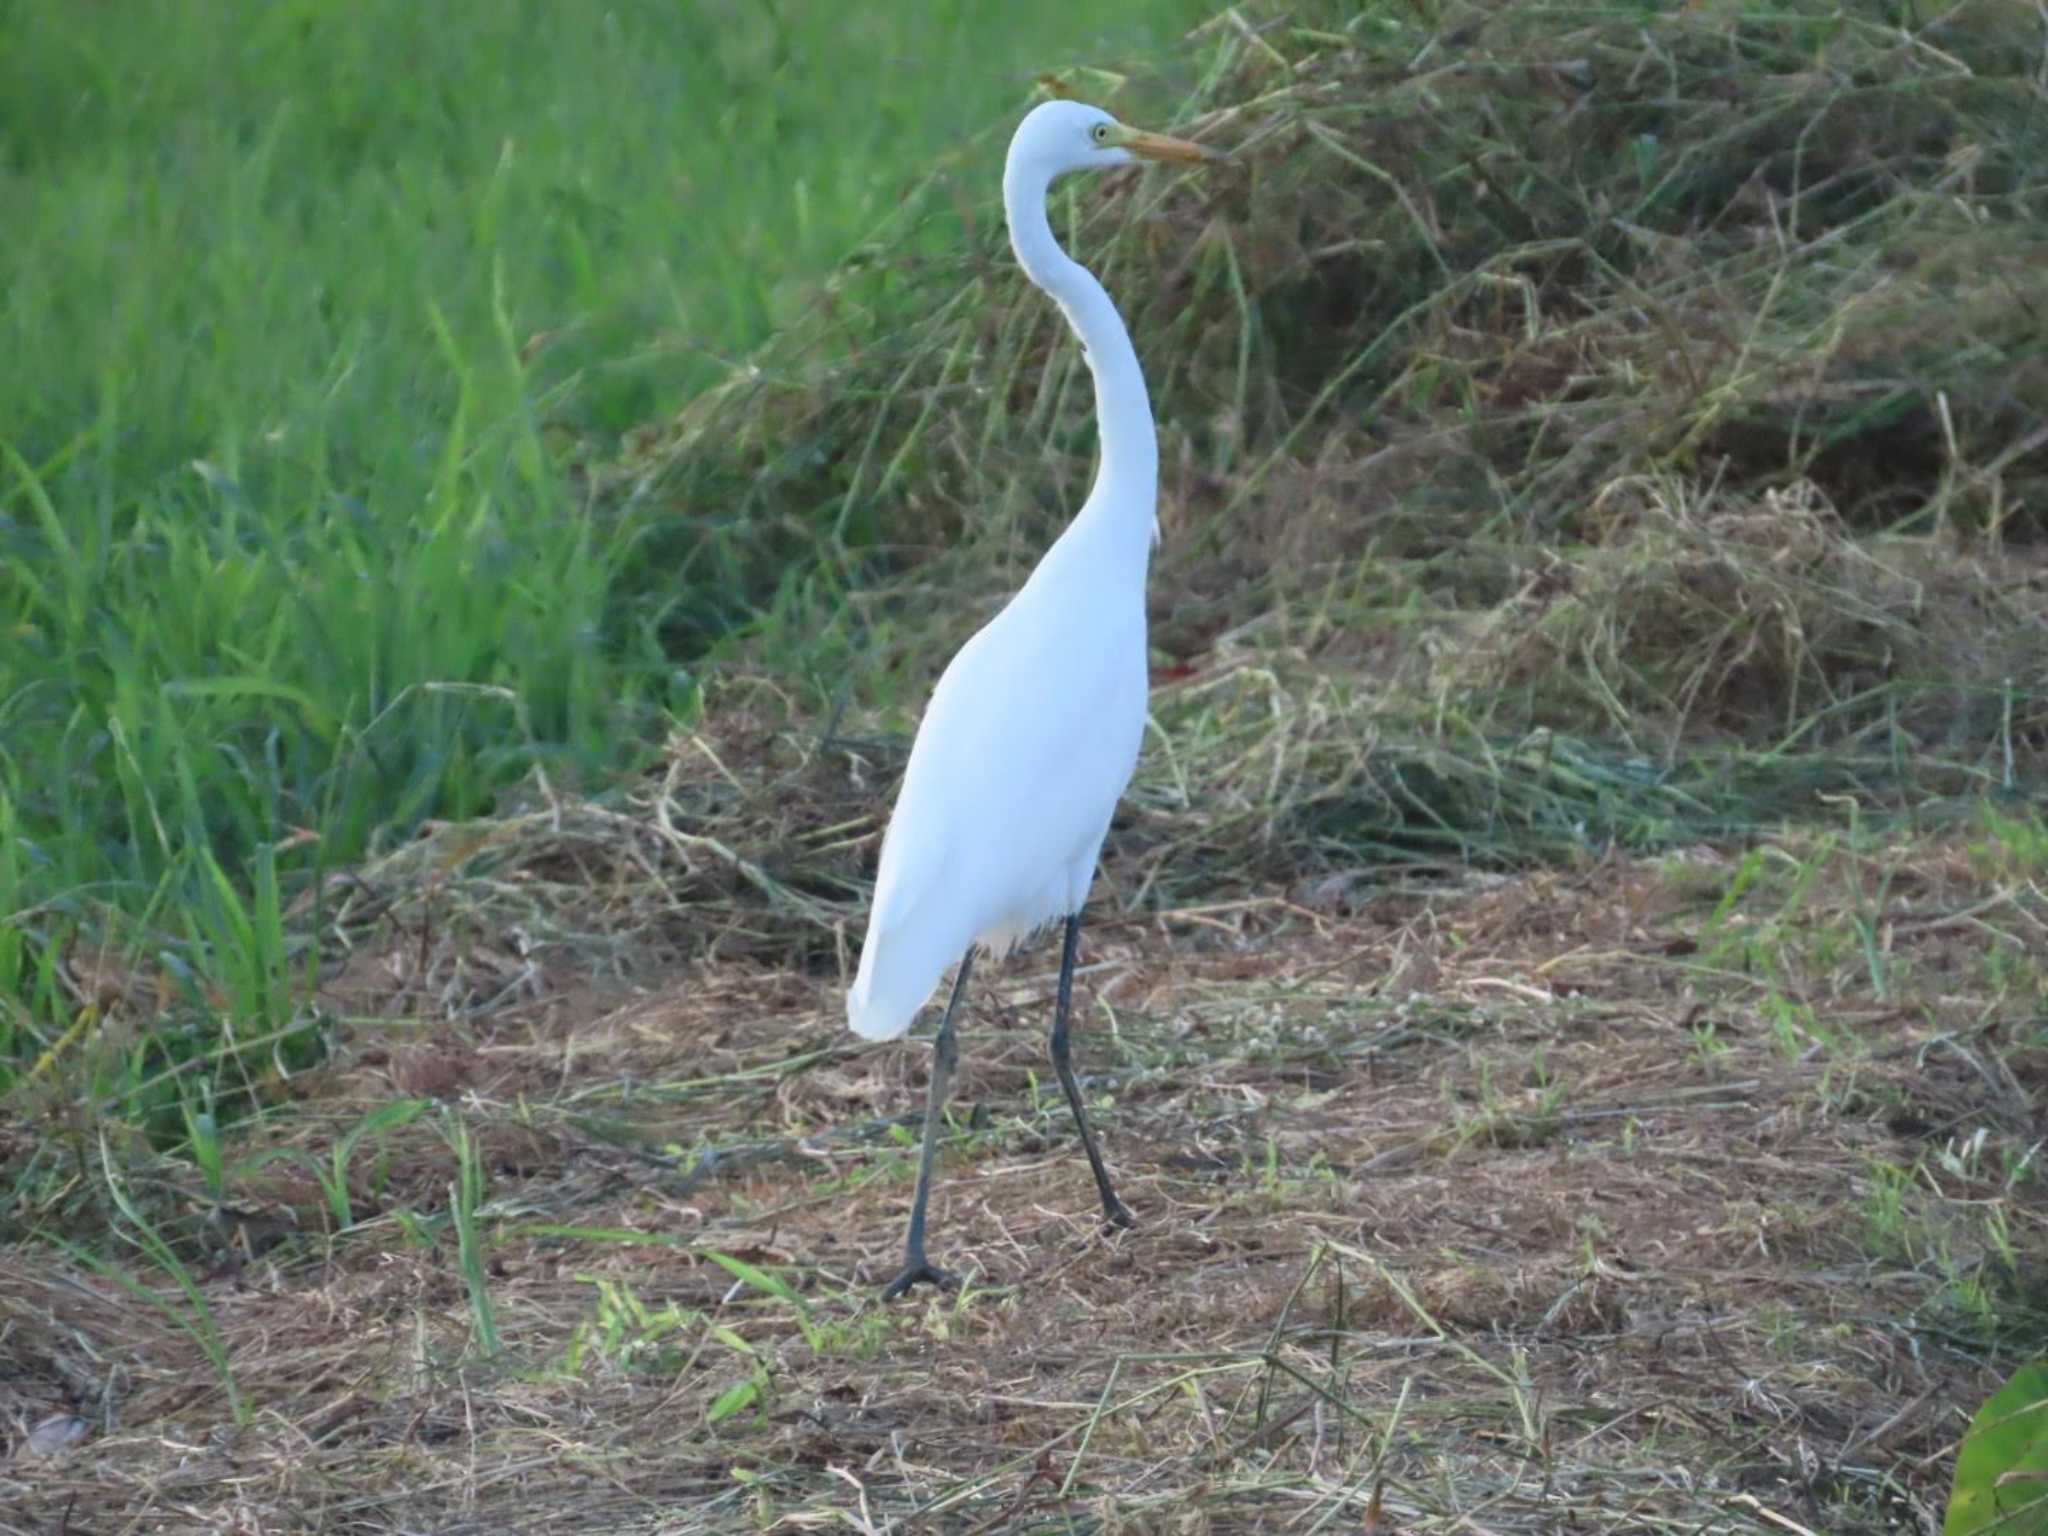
(1695, 614)
(1697, 356)
(1631, 1198)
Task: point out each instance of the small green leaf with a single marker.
(2001, 1486)
(760, 1279)
(741, 1394)
(320, 719)
(772, 1285)
(731, 1340)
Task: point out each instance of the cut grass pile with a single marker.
(1694, 1193)
(1661, 371)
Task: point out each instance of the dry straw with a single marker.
(1696, 358)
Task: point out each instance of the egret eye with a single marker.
(1099, 133)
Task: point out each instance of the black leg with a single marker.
(945, 1054)
(1112, 1208)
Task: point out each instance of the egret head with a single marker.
(1060, 136)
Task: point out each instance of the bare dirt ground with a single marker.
(1689, 1194)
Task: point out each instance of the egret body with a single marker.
(1034, 727)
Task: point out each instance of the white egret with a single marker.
(1033, 729)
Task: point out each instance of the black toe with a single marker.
(916, 1272)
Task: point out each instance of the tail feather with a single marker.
(889, 988)
(900, 966)
(874, 1014)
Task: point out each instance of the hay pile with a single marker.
(1618, 339)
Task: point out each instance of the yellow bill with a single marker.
(1159, 146)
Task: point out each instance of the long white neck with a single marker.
(1127, 483)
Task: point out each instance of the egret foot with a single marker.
(1117, 1216)
(916, 1270)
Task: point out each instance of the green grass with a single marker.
(312, 317)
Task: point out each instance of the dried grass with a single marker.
(1696, 615)
(1484, 281)
(1496, 1207)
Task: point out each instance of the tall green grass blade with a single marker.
(195, 1317)
(465, 1197)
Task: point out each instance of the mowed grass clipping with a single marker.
(1695, 1193)
(1664, 375)
(310, 316)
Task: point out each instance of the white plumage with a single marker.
(1034, 727)
(1030, 737)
